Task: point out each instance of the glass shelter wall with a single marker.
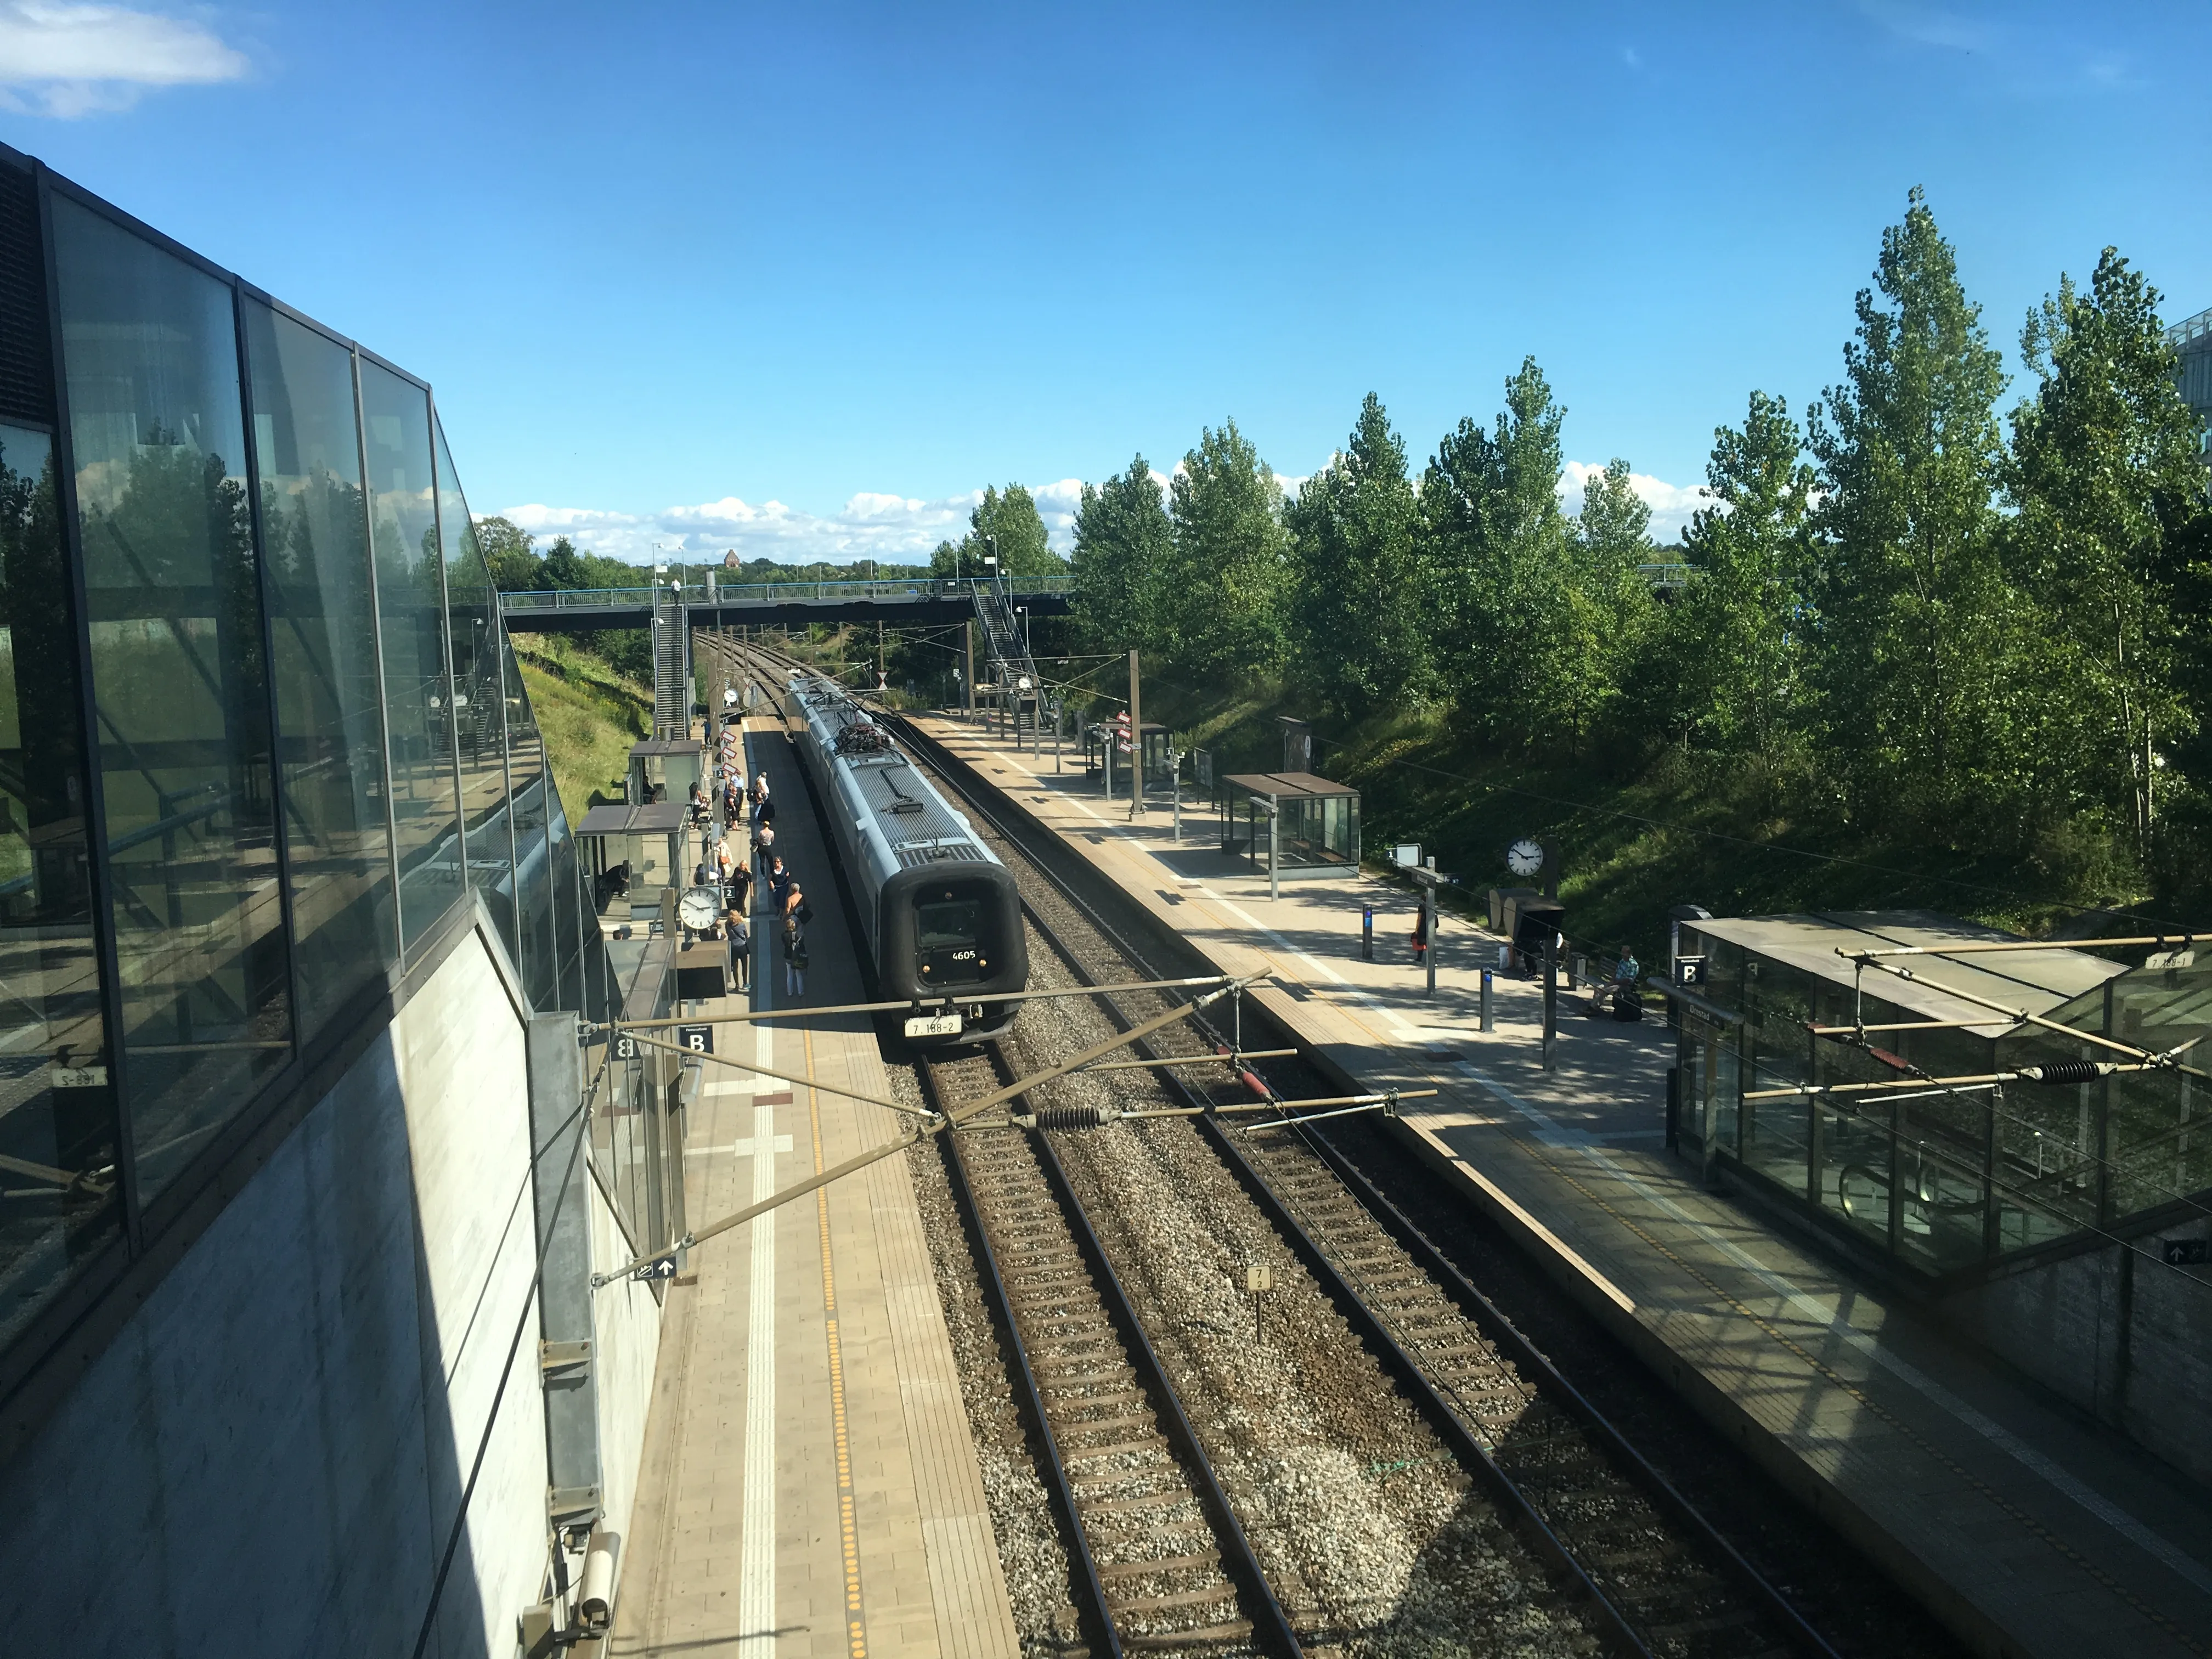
(1919, 1138)
(60, 1194)
(410, 605)
(322, 621)
(180, 694)
(243, 729)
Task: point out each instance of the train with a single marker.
(942, 915)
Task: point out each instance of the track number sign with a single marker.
(695, 1039)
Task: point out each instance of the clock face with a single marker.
(700, 907)
(1524, 857)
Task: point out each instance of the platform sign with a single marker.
(2186, 1252)
(695, 1039)
(1689, 973)
(921, 1026)
(625, 1046)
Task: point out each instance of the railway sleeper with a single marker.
(1204, 1559)
(1208, 1596)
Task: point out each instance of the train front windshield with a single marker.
(949, 940)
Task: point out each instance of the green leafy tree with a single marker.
(1498, 552)
(1358, 619)
(1230, 574)
(1916, 619)
(2108, 482)
(1610, 611)
(508, 551)
(563, 570)
(1008, 524)
(1124, 547)
(1736, 645)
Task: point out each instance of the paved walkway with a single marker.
(2030, 1532)
(810, 1485)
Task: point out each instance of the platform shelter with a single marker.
(1294, 822)
(1926, 1144)
(664, 768)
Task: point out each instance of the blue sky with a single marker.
(801, 279)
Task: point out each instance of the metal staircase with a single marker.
(1020, 689)
(671, 665)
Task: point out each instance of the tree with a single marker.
(508, 555)
(1230, 569)
(1738, 631)
(2109, 485)
(1358, 617)
(1124, 544)
(1498, 547)
(1914, 618)
(1006, 524)
(563, 570)
(1610, 609)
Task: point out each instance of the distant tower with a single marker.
(730, 560)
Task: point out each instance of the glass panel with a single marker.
(566, 901)
(478, 682)
(179, 682)
(330, 718)
(534, 894)
(491, 872)
(58, 1196)
(526, 775)
(411, 616)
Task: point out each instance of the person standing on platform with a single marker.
(794, 958)
(764, 847)
(740, 890)
(779, 880)
(741, 947)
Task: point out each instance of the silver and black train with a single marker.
(942, 915)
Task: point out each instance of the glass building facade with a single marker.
(263, 740)
(1895, 1115)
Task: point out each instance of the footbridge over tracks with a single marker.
(926, 600)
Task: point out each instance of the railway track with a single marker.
(1160, 1551)
(1658, 1578)
(1164, 1563)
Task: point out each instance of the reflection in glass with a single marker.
(478, 697)
(179, 685)
(58, 1192)
(411, 611)
(314, 537)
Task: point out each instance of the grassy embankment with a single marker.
(1686, 830)
(590, 715)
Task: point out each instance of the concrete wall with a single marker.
(269, 1458)
(2137, 1356)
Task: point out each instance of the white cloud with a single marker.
(891, 529)
(1671, 505)
(66, 61)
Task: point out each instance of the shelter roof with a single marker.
(2036, 981)
(616, 819)
(665, 746)
(1286, 783)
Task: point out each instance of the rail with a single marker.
(739, 593)
(1116, 1617)
(1627, 1626)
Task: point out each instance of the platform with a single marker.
(2028, 1530)
(810, 1485)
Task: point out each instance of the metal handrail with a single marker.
(644, 597)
